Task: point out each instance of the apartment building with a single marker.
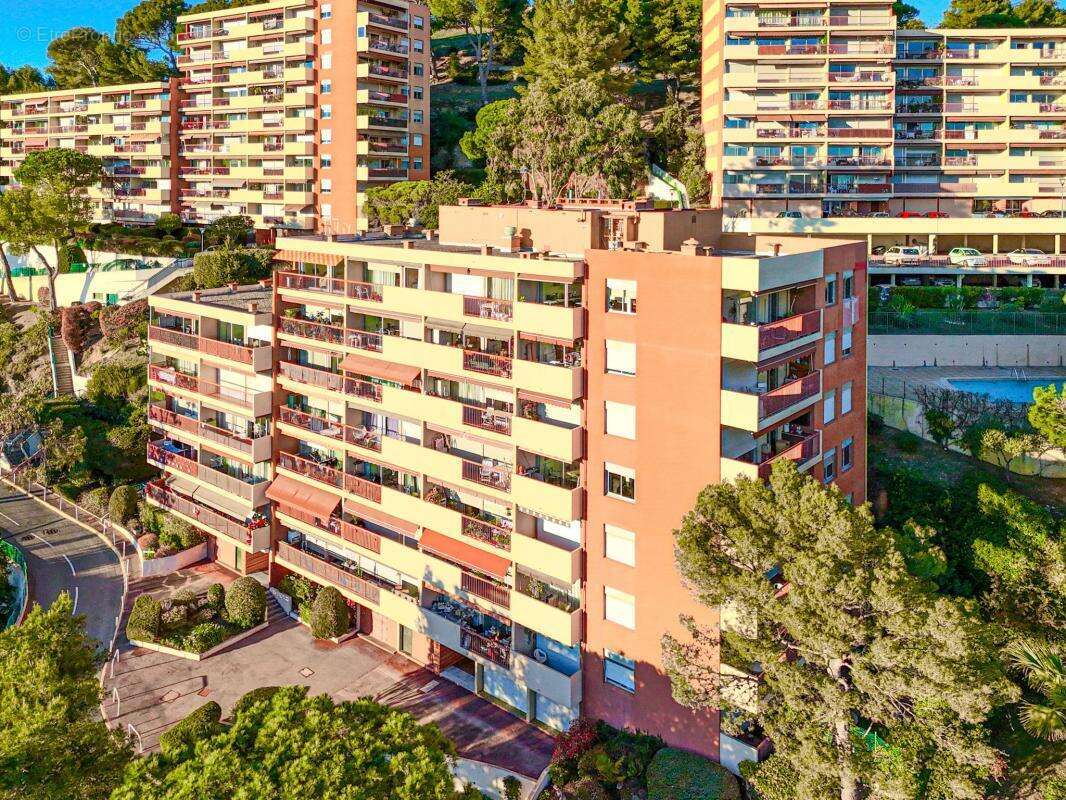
(484, 437)
(292, 109)
(210, 408)
(820, 116)
(130, 127)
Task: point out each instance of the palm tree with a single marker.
(1045, 673)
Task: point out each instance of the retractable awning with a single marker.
(387, 371)
(296, 257)
(465, 554)
(380, 518)
(299, 495)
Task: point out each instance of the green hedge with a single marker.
(201, 724)
(938, 297)
(145, 620)
(679, 775)
(205, 636)
(329, 616)
(123, 504)
(246, 602)
(263, 694)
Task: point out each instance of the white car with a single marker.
(1029, 256)
(904, 255)
(789, 215)
(966, 257)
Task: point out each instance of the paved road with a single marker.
(62, 556)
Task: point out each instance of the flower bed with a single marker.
(196, 624)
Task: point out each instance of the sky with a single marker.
(27, 26)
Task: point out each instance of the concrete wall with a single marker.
(967, 351)
(488, 778)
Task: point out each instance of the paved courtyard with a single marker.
(155, 690)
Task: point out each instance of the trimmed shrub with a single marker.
(329, 616)
(175, 617)
(246, 602)
(262, 694)
(184, 597)
(679, 775)
(299, 588)
(145, 620)
(95, 500)
(203, 723)
(216, 596)
(205, 636)
(123, 504)
(168, 223)
(179, 534)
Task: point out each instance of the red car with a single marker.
(936, 215)
(908, 214)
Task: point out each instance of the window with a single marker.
(845, 398)
(327, 10)
(327, 111)
(327, 61)
(327, 185)
(830, 347)
(619, 545)
(845, 342)
(325, 161)
(326, 86)
(619, 482)
(849, 284)
(829, 407)
(416, 116)
(831, 289)
(419, 69)
(327, 36)
(417, 164)
(418, 140)
(419, 45)
(829, 465)
(327, 136)
(619, 671)
(621, 296)
(407, 640)
(619, 607)
(621, 357)
(327, 209)
(420, 22)
(621, 419)
(846, 447)
(418, 93)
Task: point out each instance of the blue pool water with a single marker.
(1017, 391)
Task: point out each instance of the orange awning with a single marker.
(380, 518)
(387, 371)
(299, 495)
(296, 257)
(466, 554)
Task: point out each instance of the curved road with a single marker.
(62, 556)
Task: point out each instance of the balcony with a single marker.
(801, 445)
(757, 409)
(556, 496)
(348, 580)
(257, 448)
(473, 522)
(359, 435)
(256, 355)
(171, 456)
(254, 536)
(547, 609)
(756, 342)
(337, 526)
(256, 403)
(457, 625)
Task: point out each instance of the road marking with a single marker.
(70, 564)
(14, 522)
(74, 610)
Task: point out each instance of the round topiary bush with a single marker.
(680, 775)
(216, 596)
(179, 534)
(262, 694)
(205, 636)
(246, 602)
(184, 597)
(123, 504)
(329, 615)
(145, 620)
(175, 617)
(201, 724)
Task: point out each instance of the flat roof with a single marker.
(420, 243)
(240, 299)
(117, 87)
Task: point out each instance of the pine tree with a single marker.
(1040, 14)
(979, 14)
(872, 684)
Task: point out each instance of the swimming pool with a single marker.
(1017, 391)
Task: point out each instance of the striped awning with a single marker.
(297, 257)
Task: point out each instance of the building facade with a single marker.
(484, 438)
(823, 115)
(285, 112)
(132, 128)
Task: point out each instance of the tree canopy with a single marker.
(862, 643)
(665, 38)
(1001, 14)
(85, 57)
(401, 202)
(1047, 414)
(488, 25)
(152, 25)
(285, 744)
(54, 746)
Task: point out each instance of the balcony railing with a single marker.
(801, 445)
(312, 376)
(244, 354)
(361, 487)
(358, 435)
(486, 419)
(486, 532)
(181, 460)
(329, 572)
(349, 531)
(322, 473)
(492, 649)
(238, 395)
(486, 590)
(308, 329)
(495, 476)
(789, 394)
(227, 526)
(487, 363)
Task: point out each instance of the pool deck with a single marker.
(900, 381)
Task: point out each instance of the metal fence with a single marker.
(967, 323)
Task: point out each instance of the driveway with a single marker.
(64, 557)
(156, 690)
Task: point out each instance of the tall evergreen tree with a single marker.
(486, 24)
(1040, 14)
(872, 683)
(665, 39)
(979, 14)
(84, 57)
(152, 25)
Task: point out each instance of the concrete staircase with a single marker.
(64, 380)
(274, 611)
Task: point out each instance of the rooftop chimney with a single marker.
(690, 247)
(253, 306)
(408, 244)
(776, 248)
(486, 249)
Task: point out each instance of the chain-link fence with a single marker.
(967, 323)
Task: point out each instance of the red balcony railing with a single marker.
(364, 340)
(181, 461)
(190, 341)
(774, 334)
(806, 446)
(364, 291)
(789, 394)
(487, 590)
(349, 531)
(329, 572)
(487, 363)
(361, 487)
(486, 419)
(312, 376)
(494, 476)
(486, 532)
(364, 389)
(317, 472)
(227, 526)
(319, 331)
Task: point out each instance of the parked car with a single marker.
(904, 255)
(879, 215)
(966, 257)
(909, 214)
(1029, 256)
(789, 215)
(944, 282)
(936, 215)
(910, 281)
(878, 250)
